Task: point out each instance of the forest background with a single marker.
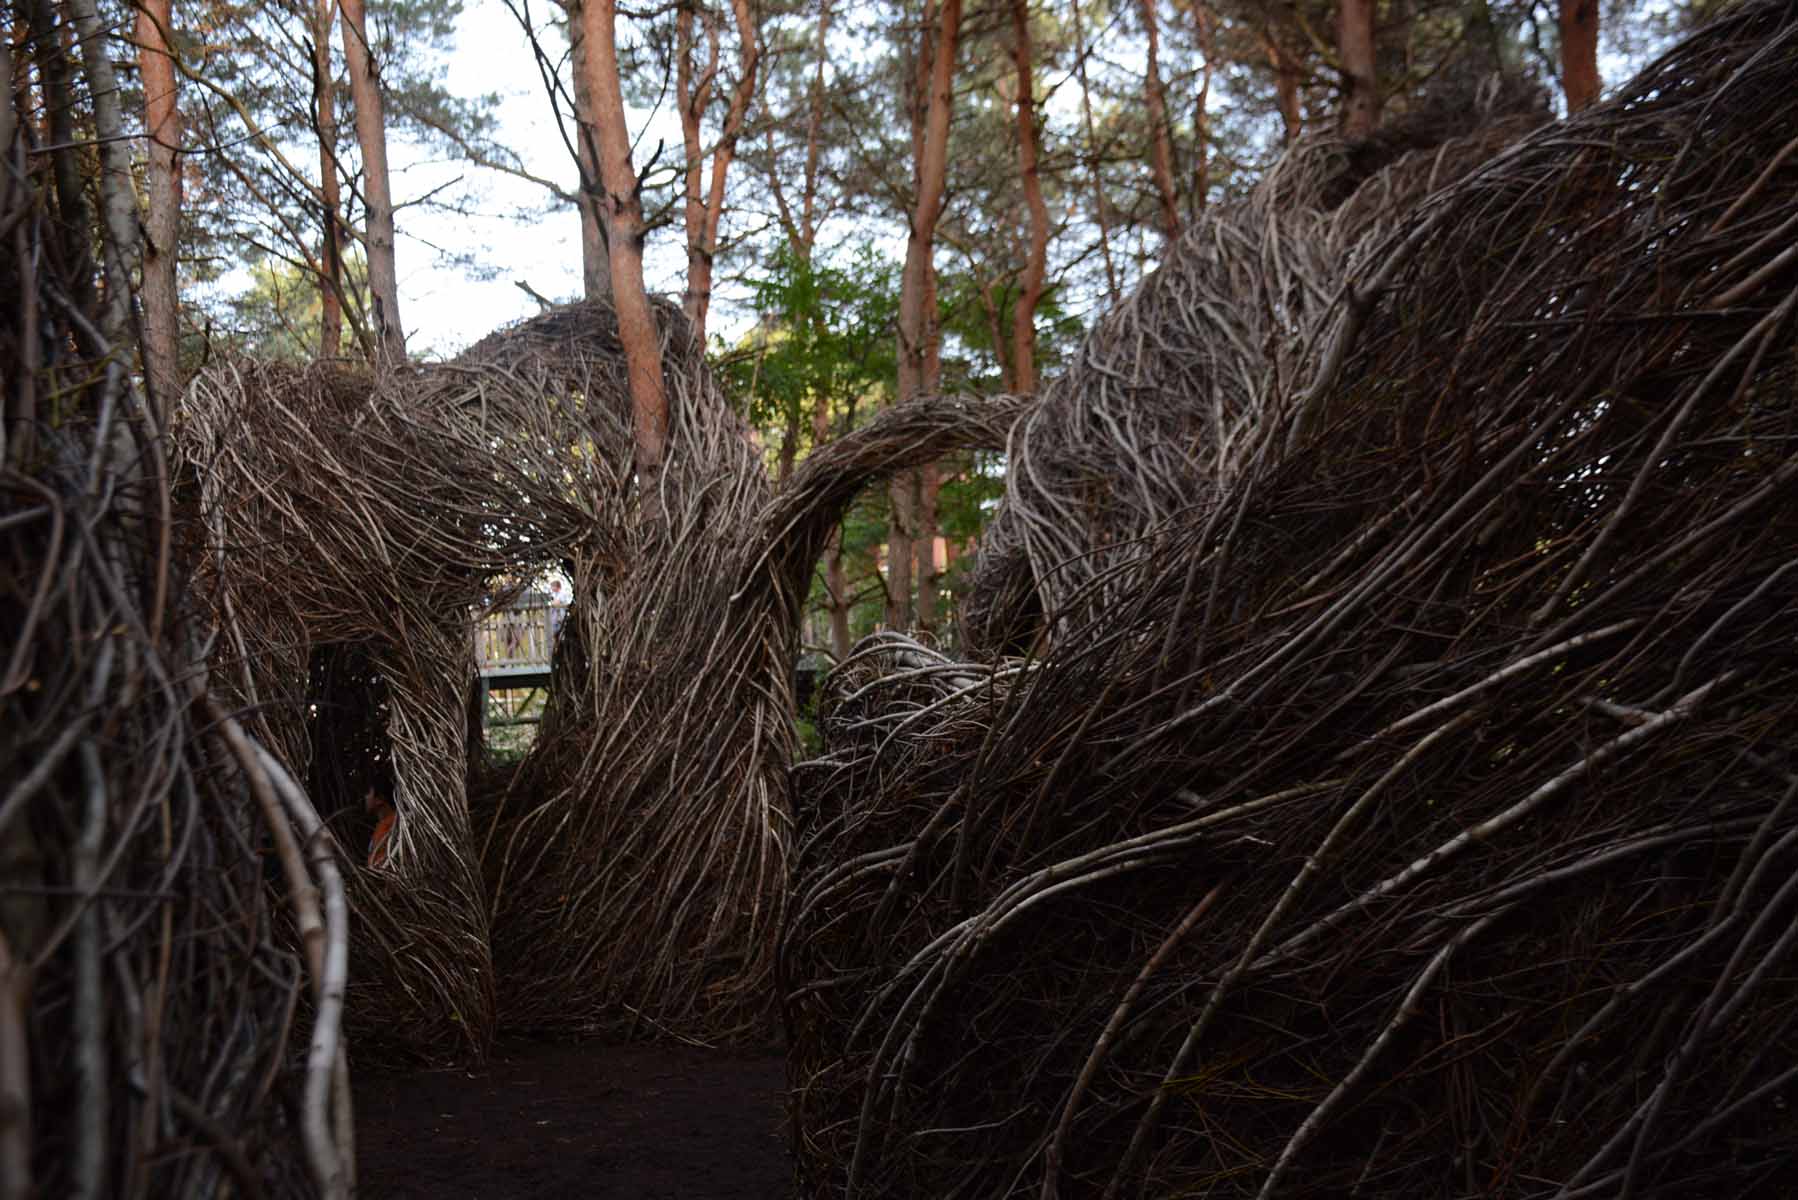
(853, 202)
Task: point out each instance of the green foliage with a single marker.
(826, 333)
(971, 314)
(278, 315)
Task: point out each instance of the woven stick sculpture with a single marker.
(173, 925)
(1398, 798)
(629, 876)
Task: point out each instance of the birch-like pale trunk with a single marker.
(118, 194)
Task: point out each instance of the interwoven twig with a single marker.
(173, 929)
(1398, 798)
(629, 876)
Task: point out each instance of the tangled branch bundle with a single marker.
(171, 923)
(629, 875)
(1400, 796)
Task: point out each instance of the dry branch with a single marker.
(1396, 798)
(147, 986)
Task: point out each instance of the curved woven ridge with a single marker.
(1400, 800)
(1163, 402)
(629, 876)
(384, 511)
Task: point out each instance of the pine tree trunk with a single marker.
(1030, 287)
(1286, 85)
(902, 504)
(691, 99)
(1579, 53)
(1001, 339)
(377, 189)
(1201, 116)
(930, 580)
(814, 129)
(118, 193)
(835, 577)
(1361, 87)
(789, 448)
(1161, 140)
(918, 333)
(162, 125)
(324, 95)
(622, 208)
(836, 581)
(596, 265)
(930, 481)
(706, 209)
(1112, 294)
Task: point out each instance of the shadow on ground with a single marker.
(580, 1120)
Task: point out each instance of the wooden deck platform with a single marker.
(516, 642)
(512, 652)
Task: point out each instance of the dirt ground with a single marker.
(543, 1121)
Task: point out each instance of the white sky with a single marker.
(443, 308)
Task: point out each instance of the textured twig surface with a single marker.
(171, 923)
(1399, 796)
(629, 875)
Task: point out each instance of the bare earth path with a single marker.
(543, 1121)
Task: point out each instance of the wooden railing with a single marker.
(517, 639)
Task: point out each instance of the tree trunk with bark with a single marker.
(377, 189)
(1579, 53)
(1112, 294)
(836, 582)
(814, 132)
(75, 235)
(622, 209)
(1036, 257)
(933, 106)
(1286, 84)
(1206, 20)
(930, 580)
(789, 447)
(1361, 85)
(118, 193)
(929, 482)
(324, 98)
(162, 127)
(692, 96)
(705, 199)
(596, 265)
(1161, 141)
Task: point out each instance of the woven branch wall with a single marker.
(1398, 797)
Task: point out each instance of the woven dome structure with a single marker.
(1379, 777)
(628, 877)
